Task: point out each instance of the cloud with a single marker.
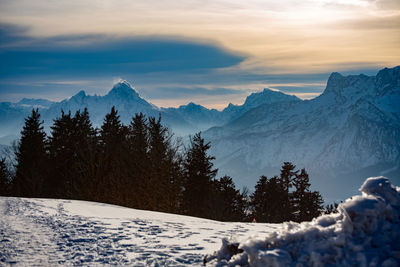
(389, 22)
(286, 36)
(184, 92)
(308, 89)
(11, 34)
(387, 4)
(98, 55)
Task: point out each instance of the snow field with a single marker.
(70, 232)
(365, 232)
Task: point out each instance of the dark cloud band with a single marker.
(96, 55)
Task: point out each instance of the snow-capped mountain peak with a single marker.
(388, 80)
(192, 107)
(335, 83)
(123, 89)
(78, 99)
(348, 89)
(267, 96)
(80, 94)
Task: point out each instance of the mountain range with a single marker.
(351, 130)
(184, 120)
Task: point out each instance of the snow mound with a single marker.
(365, 232)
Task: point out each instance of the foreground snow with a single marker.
(365, 232)
(65, 232)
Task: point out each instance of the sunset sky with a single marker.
(209, 52)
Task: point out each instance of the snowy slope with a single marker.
(70, 232)
(365, 232)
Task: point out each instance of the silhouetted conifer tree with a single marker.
(176, 179)
(199, 174)
(61, 158)
(4, 178)
(314, 204)
(72, 157)
(158, 181)
(31, 158)
(285, 198)
(258, 200)
(300, 196)
(85, 162)
(306, 204)
(228, 204)
(331, 208)
(114, 159)
(164, 175)
(139, 162)
(266, 201)
(288, 172)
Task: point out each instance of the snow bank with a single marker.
(365, 232)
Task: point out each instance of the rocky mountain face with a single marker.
(354, 126)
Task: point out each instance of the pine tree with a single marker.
(114, 153)
(199, 174)
(159, 180)
(314, 204)
(258, 198)
(302, 188)
(228, 203)
(72, 155)
(31, 158)
(85, 163)
(164, 179)
(138, 138)
(139, 162)
(175, 174)
(267, 199)
(331, 208)
(306, 204)
(4, 178)
(61, 158)
(287, 175)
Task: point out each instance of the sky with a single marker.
(174, 52)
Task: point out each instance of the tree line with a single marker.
(142, 166)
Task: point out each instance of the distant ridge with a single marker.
(185, 119)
